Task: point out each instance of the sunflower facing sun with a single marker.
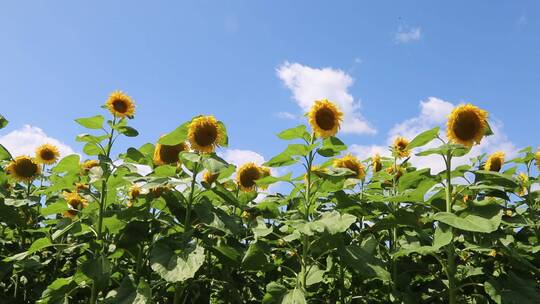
(325, 118)
(204, 134)
(47, 154)
(495, 161)
(467, 125)
(24, 169)
(246, 176)
(120, 105)
(352, 163)
(400, 147)
(165, 154)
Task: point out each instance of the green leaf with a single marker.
(174, 267)
(98, 269)
(261, 230)
(268, 180)
(68, 164)
(54, 208)
(334, 222)
(297, 132)
(175, 137)
(274, 293)
(92, 149)
(94, 122)
(39, 244)
(3, 122)
(4, 153)
(280, 160)
(443, 236)
(295, 296)
(314, 275)
(493, 288)
(131, 293)
(255, 257)
(332, 146)
(423, 138)
(128, 131)
(484, 219)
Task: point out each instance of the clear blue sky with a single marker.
(60, 59)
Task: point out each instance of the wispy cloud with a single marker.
(407, 34)
(286, 115)
(308, 84)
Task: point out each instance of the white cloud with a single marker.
(286, 115)
(239, 157)
(433, 113)
(24, 141)
(309, 84)
(406, 34)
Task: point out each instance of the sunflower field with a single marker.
(192, 228)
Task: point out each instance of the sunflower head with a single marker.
(325, 118)
(205, 134)
(89, 164)
(537, 158)
(81, 187)
(135, 191)
(523, 179)
(47, 154)
(246, 176)
(397, 171)
(209, 177)
(400, 147)
(120, 104)
(495, 161)
(352, 163)
(24, 169)
(466, 125)
(376, 163)
(75, 202)
(158, 191)
(164, 154)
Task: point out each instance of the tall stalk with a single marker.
(307, 198)
(450, 250)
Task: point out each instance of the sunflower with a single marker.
(209, 177)
(89, 164)
(81, 186)
(495, 162)
(164, 154)
(158, 191)
(246, 176)
(135, 191)
(325, 118)
(400, 147)
(466, 125)
(391, 171)
(75, 202)
(352, 163)
(376, 163)
(265, 171)
(523, 180)
(204, 134)
(120, 104)
(537, 157)
(47, 154)
(24, 169)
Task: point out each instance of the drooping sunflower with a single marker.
(47, 154)
(164, 154)
(204, 134)
(209, 177)
(495, 161)
(89, 164)
(400, 147)
(24, 169)
(75, 202)
(376, 163)
(325, 118)
(352, 163)
(120, 104)
(466, 125)
(246, 176)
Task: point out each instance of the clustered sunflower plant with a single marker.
(172, 222)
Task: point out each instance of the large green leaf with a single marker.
(295, 296)
(297, 132)
(130, 292)
(94, 122)
(174, 267)
(4, 153)
(423, 138)
(480, 219)
(175, 137)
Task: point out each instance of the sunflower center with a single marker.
(120, 106)
(496, 165)
(325, 119)
(206, 135)
(401, 146)
(169, 154)
(76, 203)
(249, 176)
(25, 168)
(467, 125)
(47, 154)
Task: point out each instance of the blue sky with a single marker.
(60, 59)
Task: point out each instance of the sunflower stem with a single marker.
(305, 240)
(450, 250)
